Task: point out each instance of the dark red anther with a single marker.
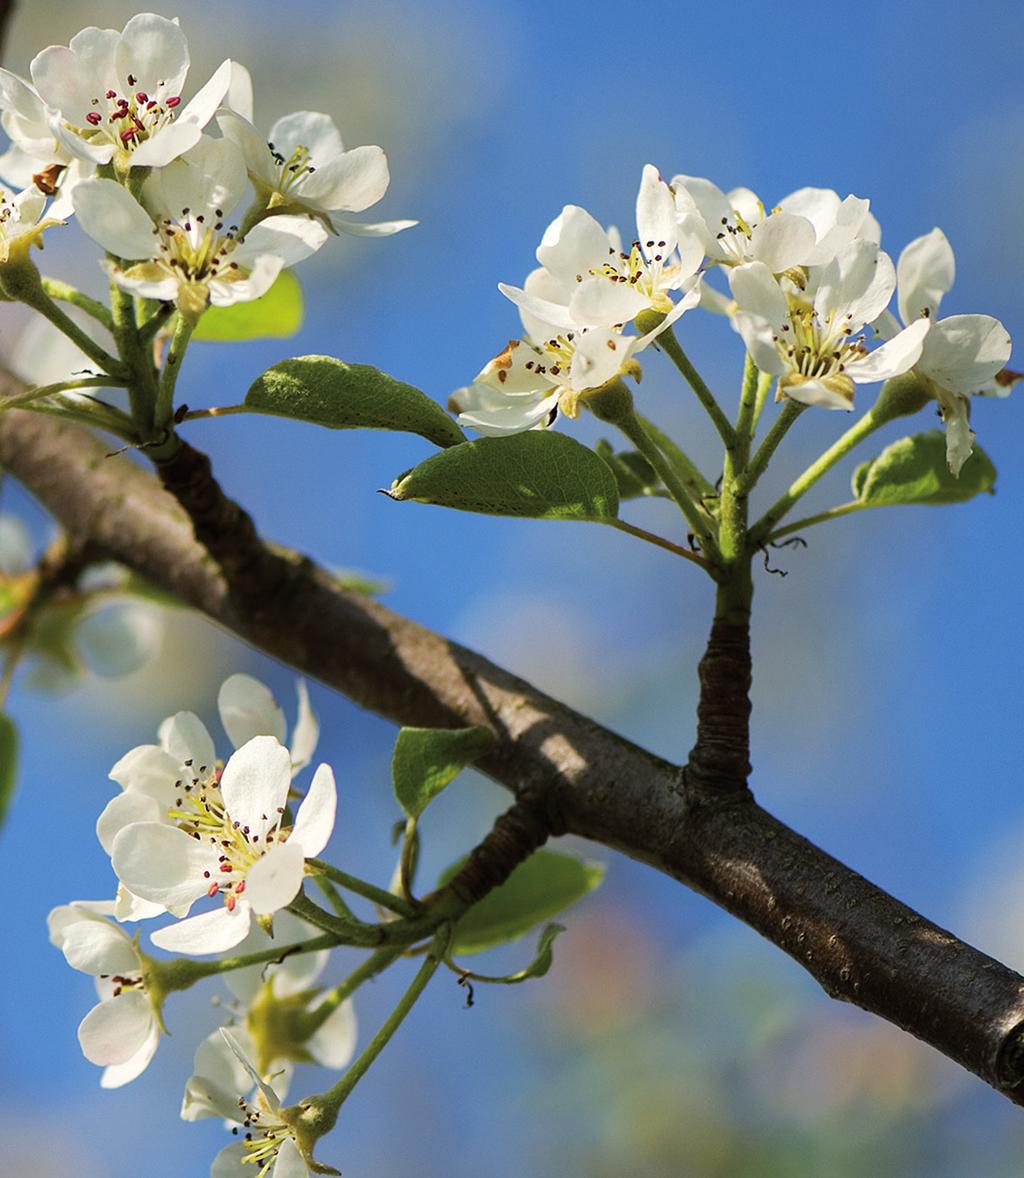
(131, 79)
(173, 102)
(150, 105)
(240, 887)
(129, 134)
(94, 118)
(214, 889)
(110, 94)
(142, 97)
(226, 867)
(230, 902)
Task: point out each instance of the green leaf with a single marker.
(8, 763)
(914, 470)
(275, 315)
(537, 475)
(537, 968)
(425, 760)
(540, 888)
(329, 392)
(633, 473)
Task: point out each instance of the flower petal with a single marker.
(255, 784)
(333, 1043)
(655, 214)
(185, 737)
(757, 293)
(894, 357)
(314, 822)
(306, 732)
(963, 353)
(113, 1031)
(152, 56)
(113, 219)
(350, 182)
(572, 244)
(163, 864)
(269, 1095)
(370, 229)
(274, 881)
(925, 272)
(289, 1162)
(98, 947)
(230, 1163)
(600, 302)
(209, 932)
(782, 240)
(288, 237)
(247, 708)
(117, 1075)
(150, 770)
(131, 806)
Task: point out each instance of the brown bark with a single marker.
(861, 944)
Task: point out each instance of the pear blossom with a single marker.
(963, 355)
(807, 228)
(22, 222)
(813, 345)
(116, 98)
(224, 1075)
(183, 763)
(586, 272)
(35, 154)
(231, 843)
(303, 167)
(189, 255)
(123, 1031)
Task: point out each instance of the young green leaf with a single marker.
(540, 888)
(537, 475)
(329, 392)
(425, 760)
(276, 315)
(537, 968)
(633, 473)
(8, 763)
(914, 470)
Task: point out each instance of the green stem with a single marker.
(66, 293)
(837, 451)
(670, 346)
(659, 541)
(92, 412)
(40, 301)
(764, 386)
(745, 417)
(631, 425)
(165, 977)
(338, 905)
(820, 518)
(360, 887)
(409, 859)
(780, 427)
(319, 1114)
(374, 964)
(60, 386)
(693, 480)
(149, 327)
(183, 328)
(142, 391)
(221, 411)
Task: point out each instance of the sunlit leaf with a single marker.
(276, 315)
(914, 470)
(425, 760)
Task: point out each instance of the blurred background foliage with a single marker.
(667, 1040)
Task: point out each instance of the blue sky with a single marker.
(887, 664)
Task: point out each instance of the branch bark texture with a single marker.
(861, 944)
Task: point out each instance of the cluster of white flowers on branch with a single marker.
(810, 289)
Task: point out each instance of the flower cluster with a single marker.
(104, 127)
(809, 293)
(187, 826)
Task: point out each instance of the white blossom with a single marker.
(303, 167)
(116, 98)
(122, 1032)
(22, 222)
(231, 843)
(186, 251)
(815, 346)
(589, 280)
(224, 1077)
(156, 779)
(963, 355)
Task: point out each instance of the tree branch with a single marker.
(861, 944)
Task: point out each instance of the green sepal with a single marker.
(329, 392)
(539, 889)
(533, 475)
(8, 763)
(914, 470)
(425, 760)
(275, 315)
(537, 968)
(634, 475)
